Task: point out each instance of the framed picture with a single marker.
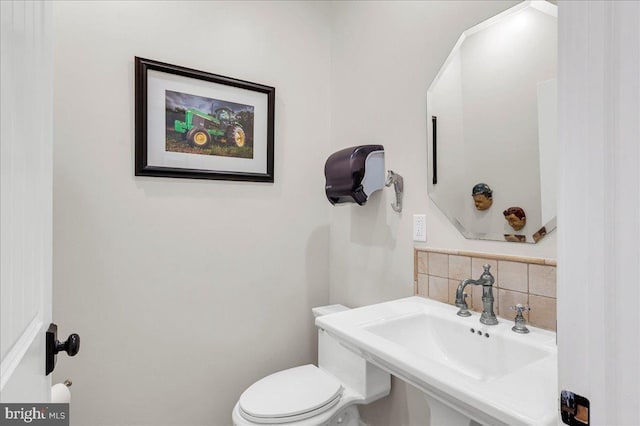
(198, 125)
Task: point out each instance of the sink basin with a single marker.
(453, 345)
(487, 373)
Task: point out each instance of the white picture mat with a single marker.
(158, 82)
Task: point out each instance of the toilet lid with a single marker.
(294, 394)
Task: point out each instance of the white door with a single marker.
(26, 74)
(599, 207)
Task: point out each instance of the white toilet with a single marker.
(326, 395)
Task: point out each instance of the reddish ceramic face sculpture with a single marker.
(516, 217)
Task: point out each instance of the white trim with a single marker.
(13, 358)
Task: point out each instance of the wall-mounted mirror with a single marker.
(492, 120)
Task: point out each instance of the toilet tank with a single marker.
(368, 380)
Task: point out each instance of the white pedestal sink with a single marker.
(467, 370)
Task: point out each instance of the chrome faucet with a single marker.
(486, 281)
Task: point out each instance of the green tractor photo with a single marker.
(200, 129)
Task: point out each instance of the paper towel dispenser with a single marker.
(354, 173)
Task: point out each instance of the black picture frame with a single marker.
(236, 142)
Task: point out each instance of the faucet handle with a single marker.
(520, 323)
(519, 308)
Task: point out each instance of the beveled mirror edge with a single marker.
(530, 238)
(541, 5)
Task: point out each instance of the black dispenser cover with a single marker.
(344, 171)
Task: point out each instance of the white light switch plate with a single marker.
(419, 227)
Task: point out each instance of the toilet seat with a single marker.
(290, 395)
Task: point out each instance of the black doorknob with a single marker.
(71, 346)
(52, 346)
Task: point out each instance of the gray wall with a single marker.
(185, 292)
